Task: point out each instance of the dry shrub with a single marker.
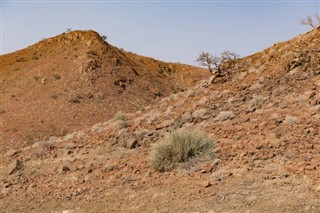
(56, 76)
(121, 120)
(120, 116)
(179, 147)
(75, 98)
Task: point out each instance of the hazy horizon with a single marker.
(174, 31)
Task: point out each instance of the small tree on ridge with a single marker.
(214, 62)
(208, 60)
(309, 21)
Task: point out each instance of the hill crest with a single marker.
(76, 79)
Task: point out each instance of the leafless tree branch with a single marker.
(309, 21)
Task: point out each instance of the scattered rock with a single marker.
(206, 184)
(316, 100)
(199, 113)
(12, 153)
(207, 168)
(15, 166)
(290, 120)
(236, 100)
(65, 169)
(303, 76)
(278, 91)
(257, 101)
(259, 144)
(203, 101)
(215, 95)
(67, 211)
(44, 81)
(7, 184)
(110, 167)
(33, 185)
(132, 143)
(255, 87)
(164, 124)
(225, 115)
(218, 176)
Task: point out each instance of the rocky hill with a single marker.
(264, 118)
(77, 79)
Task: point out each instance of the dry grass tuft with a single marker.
(178, 147)
(120, 116)
(75, 98)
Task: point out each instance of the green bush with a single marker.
(178, 147)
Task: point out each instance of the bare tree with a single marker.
(309, 21)
(208, 60)
(228, 55)
(69, 30)
(217, 66)
(214, 62)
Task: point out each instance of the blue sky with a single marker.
(175, 31)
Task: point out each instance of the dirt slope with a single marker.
(265, 119)
(75, 80)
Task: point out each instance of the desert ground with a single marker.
(80, 117)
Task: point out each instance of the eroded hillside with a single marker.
(264, 119)
(76, 79)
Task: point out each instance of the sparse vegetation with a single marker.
(75, 98)
(312, 21)
(214, 63)
(229, 56)
(121, 120)
(54, 97)
(180, 146)
(56, 76)
(207, 60)
(120, 116)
